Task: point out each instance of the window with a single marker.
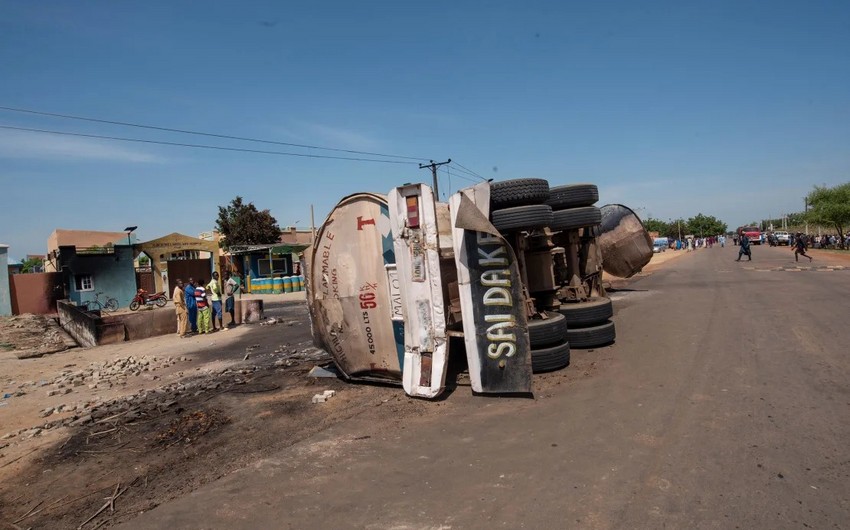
(84, 282)
(275, 266)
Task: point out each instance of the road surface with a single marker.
(723, 404)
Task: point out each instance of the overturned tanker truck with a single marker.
(507, 274)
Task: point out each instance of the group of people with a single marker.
(692, 243)
(798, 244)
(198, 304)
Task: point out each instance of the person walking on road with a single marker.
(179, 298)
(191, 306)
(203, 309)
(800, 248)
(214, 290)
(744, 248)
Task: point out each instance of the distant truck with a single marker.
(752, 232)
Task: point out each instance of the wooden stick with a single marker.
(16, 459)
(24, 516)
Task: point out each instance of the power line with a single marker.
(473, 173)
(199, 133)
(461, 176)
(202, 146)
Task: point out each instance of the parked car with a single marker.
(782, 237)
(660, 244)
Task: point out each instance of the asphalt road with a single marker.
(725, 403)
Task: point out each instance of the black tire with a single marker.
(518, 192)
(111, 305)
(551, 358)
(134, 305)
(592, 336)
(572, 196)
(584, 314)
(161, 301)
(552, 330)
(576, 218)
(522, 217)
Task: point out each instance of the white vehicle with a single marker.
(510, 270)
(782, 237)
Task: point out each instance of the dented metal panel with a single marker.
(413, 216)
(625, 244)
(495, 324)
(354, 298)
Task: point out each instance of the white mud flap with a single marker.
(495, 326)
(353, 297)
(414, 226)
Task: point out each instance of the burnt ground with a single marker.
(163, 442)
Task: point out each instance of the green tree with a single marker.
(705, 225)
(830, 206)
(32, 265)
(655, 225)
(244, 224)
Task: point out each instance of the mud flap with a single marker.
(495, 325)
(413, 219)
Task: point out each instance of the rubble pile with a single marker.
(147, 402)
(32, 335)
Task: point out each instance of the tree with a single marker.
(705, 225)
(830, 206)
(32, 265)
(243, 224)
(655, 225)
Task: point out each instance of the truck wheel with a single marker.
(572, 196)
(551, 358)
(592, 336)
(552, 330)
(584, 314)
(575, 218)
(518, 192)
(525, 217)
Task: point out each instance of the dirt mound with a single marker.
(32, 335)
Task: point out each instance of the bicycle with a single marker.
(110, 304)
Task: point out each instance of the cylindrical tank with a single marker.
(298, 281)
(278, 285)
(265, 285)
(286, 284)
(625, 243)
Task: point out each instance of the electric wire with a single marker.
(460, 176)
(202, 146)
(199, 133)
(473, 173)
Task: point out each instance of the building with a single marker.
(84, 240)
(5, 294)
(102, 272)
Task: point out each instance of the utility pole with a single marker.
(433, 167)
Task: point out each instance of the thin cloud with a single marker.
(18, 144)
(339, 137)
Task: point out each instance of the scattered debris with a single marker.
(191, 426)
(318, 371)
(33, 336)
(324, 396)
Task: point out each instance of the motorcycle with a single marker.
(144, 298)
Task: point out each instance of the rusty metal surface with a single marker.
(355, 312)
(625, 244)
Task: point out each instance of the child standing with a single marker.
(204, 319)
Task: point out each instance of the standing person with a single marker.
(179, 298)
(231, 287)
(214, 290)
(203, 308)
(744, 248)
(191, 306)
(800, 248)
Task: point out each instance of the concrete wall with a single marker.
(36, 293)
(89, 329)
(113, 274)
(5, 289)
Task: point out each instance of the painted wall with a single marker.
(116, 278)
(36, 292)
(5, 290)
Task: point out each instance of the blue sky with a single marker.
(730, 108)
